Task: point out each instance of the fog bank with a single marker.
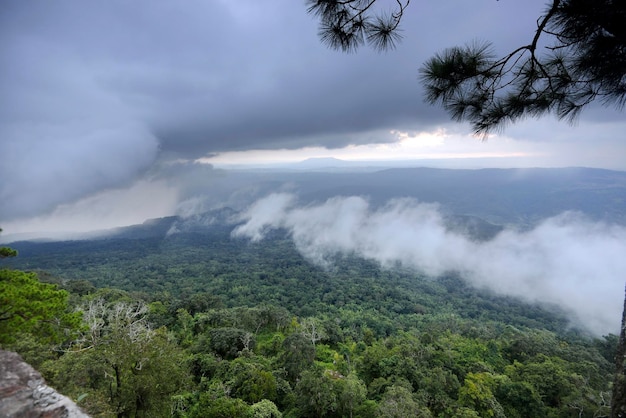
(566, 260)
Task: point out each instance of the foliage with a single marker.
(189, 328)
(7, 251)
(221, 407)
(264, 409)
(121, 364)
(584, 61)
(348, 24)
(228, 342)
(477, 394)
(316, 394)
(297, 355)
(28, 306)
(358, 293)
(398, 402)
(352, 394)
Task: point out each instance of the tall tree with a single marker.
(28, 306)
(585, 61)
(123, 366)
(7, 251)
(618, 400)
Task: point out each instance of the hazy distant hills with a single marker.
(513, 196)
(519, 197)
(218, 218)
(485, 199)
(322, 163)
(474, 204)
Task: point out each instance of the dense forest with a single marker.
(199, 324)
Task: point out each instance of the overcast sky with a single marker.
(100, 98)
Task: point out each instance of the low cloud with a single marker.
(43, 167)
(108, 209)
(565, 260)
(82, 113)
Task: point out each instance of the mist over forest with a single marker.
(553, 236)
(565, 260)
(339, 293)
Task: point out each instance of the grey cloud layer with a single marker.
(212, 75)
(93, 92)
(201, 76)
(565, 260)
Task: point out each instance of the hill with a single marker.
(182, 257)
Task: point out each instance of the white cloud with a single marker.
(107, 209)
(566, 260)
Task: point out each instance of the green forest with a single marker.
(206, 325)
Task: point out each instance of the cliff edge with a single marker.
(24, 393)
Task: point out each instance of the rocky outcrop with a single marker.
(24, 393)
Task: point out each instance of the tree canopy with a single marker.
(7, 251)
(269, 335)
(584, 60)
(30, 306)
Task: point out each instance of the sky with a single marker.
(102, 100)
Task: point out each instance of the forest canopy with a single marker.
(200, 324)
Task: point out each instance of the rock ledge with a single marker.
(24, 393)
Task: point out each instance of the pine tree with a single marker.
(585, 61)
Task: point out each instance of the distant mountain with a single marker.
(162, 227)
(150, 228)
(325, 162)
(518, 197)
(224, 220)
(476, 228)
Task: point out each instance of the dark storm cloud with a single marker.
(202, 76)
(91, 91)
(94, 91)
(272, 85)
